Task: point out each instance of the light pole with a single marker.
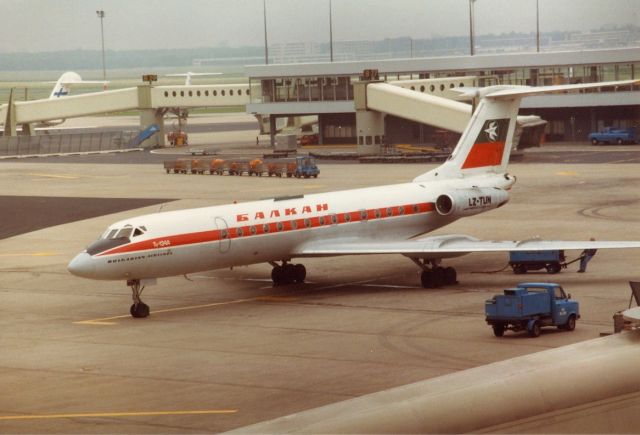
(266, 45)
(537, 26)
(330, 33)
(100, 14)
(472, 50)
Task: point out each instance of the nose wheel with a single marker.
(139, 309)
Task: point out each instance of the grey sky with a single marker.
(48, 25)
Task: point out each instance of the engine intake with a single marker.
(468, 202)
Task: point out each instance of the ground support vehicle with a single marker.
(198, 166)
(238, 168)
(276, 168)
(522, 261)
(180, 166)
(614, 135)
(531, 306)
(306, 167)
(309, 139)
(218, 166)
(186, 166)
(177, 138)
(300, 167)
(257, 167)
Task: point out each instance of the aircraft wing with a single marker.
(447, 246)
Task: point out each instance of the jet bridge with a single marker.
(152, 102)
(374, 99)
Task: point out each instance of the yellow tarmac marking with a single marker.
(109, 320)
(33, 254)
(115, 414)
(68, 177)
(630, 160)
(567, 174)
(275, 298)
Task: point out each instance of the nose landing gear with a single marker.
(139, 309)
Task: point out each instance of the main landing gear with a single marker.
(287, 273)
(139, 309)
(434, 276)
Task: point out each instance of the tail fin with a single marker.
(189, 75)
(62, 87)
(485, 144)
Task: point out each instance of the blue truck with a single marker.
(531, 306)
(306, 167)
(614, 135)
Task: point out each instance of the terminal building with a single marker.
(327, 90)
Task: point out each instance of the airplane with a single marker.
(389, 219)
(189, 75)
(62, 88)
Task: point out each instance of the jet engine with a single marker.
(467, 202)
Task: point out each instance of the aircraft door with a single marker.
(225, 240)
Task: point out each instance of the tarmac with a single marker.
(225, 349)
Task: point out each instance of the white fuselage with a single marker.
(188, 241)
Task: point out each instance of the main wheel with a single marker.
(498, 329)
(277, 275)
(289, 272)
(139, 310)
(426, 279)
(299, 272)
(619, 141)
(594, 142)
(439, 276)
(450, 276)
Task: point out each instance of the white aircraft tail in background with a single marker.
(63, 85)
(189, 75)
(62, 88)
(390, 219)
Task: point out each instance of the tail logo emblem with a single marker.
(492, 131)
(489, 147)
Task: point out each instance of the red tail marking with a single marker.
(484, 154)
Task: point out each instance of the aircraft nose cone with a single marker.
(82, 265)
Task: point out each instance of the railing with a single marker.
(67, 143)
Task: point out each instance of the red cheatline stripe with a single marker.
(272, 227)
(484, 154)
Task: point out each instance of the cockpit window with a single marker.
(124, 233)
